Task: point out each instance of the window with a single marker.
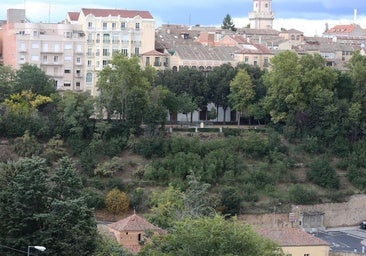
(90, 38)
(44, 59)
(157, 62)
(105, 63)
(113, 26)
(35, 58)
(68, 46)
(137, 51)
(105, 52)
(67, 83)
(115, 39)
(67, 71)
(98, 38)
(35, 33)
(104, 25)
(98, 52)
(139, 237)
(22, 47)
(45, 47)
(90, 25)
(68, 34)
(89, 78)
(55, 59)
(22, 58)
(89, 52)
(77, 84)
(125, 52)
(78, 60)
(78, 72)
(123, 25)
(137, 26)
(246, 60)
(147, 62)
(266, 62)
(89, 63)
(106, 38)
(306, 254)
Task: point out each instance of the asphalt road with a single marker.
(344, 239)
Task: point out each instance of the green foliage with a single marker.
(54, 149)
(32, 78)
(150, 147)
(254, 145)
(228, 24)
(357, 176)
(26, 146)
(300, 194)
(107, 246)
(231, 132)
(230, 201)
(321, 173)
(110, 167)
(38, 209)
(211, 236)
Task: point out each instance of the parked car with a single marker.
(363, 225)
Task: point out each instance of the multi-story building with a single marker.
(74, 51)
(110, 30)
(58, 49)
(262, 16)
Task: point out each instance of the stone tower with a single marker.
(262, 16)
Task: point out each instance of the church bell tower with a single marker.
(262, 16)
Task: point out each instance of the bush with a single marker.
(357, 176)
(151, 147)
(231, 132)
(321, 173)
(110, 167)
(230, 201)
(26, 146)
(299, 194)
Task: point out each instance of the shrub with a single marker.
(110, 167)
(26, 146)
(230, 201)
(151, 147)
(357, 176)
(321, 173)
(299, 194)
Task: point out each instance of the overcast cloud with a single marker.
(308, 16)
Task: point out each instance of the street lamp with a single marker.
(38, 247)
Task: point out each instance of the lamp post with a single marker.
(38, 247)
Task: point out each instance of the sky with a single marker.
(308, 16)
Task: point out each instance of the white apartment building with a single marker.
(110, 30)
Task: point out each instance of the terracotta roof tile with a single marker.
(74, 16)
(116, 13)
(291, 237)
(133, 223)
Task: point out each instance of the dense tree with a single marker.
(241, 92)
(32, 78)
(210, 236)
(219, 85)
(228, 23)
(122, 85)
(30, 213)
(7, 81)
(116, 202)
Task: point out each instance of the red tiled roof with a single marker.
(116, 13)
(133, 223)
(291, 237)
(342, 29)
(74, 15)
(254, 49)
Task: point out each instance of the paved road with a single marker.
(349, 239)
